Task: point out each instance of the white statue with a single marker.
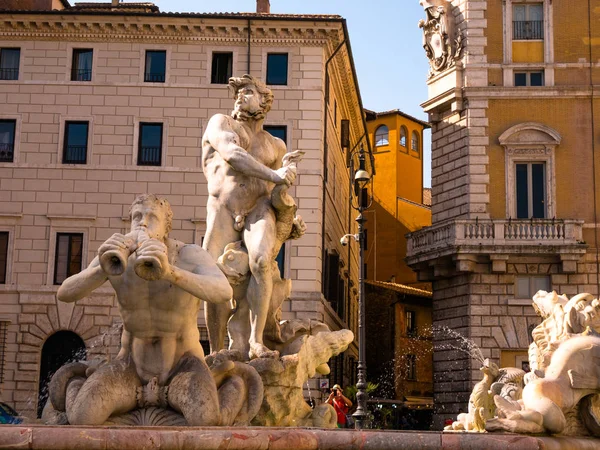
(562, 392)
(248, 173)
(159, 283)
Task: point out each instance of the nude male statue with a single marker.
(242, 164)
(160, 341)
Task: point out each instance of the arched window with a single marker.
(403, 133)
(381, 136)
(414, 142)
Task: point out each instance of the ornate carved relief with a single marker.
(443, 43)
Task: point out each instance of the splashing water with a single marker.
(464, 344)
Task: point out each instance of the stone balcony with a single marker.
(468, 241)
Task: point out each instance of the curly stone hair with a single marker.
(237, 83)
(158, 201)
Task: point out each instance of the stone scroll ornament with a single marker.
(561, 393)
(442, 43)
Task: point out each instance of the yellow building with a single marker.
(397, 305)
(515, 170)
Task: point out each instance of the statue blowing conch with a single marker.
(161, 375)
(561, 394)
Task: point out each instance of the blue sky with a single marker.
(386, 44)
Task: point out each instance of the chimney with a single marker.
(263, 6)
(115, 2)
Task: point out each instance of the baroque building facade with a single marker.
(101, 102)
(513, 102)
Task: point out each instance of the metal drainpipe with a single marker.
(593, 147)
(325, 154)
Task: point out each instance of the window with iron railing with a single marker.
(528, 21)
(9, 63)
(150, 144)
(156, 65)
(7, 140)
(76, 140)
(81, 69)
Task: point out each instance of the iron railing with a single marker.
(9, 73)
(154, 77)
(6, 152)
(528, 29)
(75, 154)
(149, 156)
(81, 75)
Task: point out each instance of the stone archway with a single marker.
(61, 347)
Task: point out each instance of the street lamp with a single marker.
(361, 180)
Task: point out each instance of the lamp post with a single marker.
(361, 180)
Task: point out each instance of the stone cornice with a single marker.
(124, 28)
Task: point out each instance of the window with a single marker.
(403, 133)
(222, 68)
(381, 136)
(81, 69)
(76, 139)
(150, 144)
(9, 63)
(530, 149)
(68, 256)
(281, 260)
(414, 142)
(3, 255)
(279, 131)
(529, 78)
(530, 180)
(7, 140)
(411, 367)
(3, 330)
(528, 21)
(410, 323)
(277, 68)
(156, 66)
(527, 286)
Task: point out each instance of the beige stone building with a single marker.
(513, 102)
(101, 102)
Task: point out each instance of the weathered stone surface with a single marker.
(105, 438)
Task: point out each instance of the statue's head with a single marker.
(253, 99)
(151, 214)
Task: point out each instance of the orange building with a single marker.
(397, 306)
(398, 209)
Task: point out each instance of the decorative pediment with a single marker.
(530, 134)
(443, 43)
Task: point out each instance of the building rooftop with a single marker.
(401, 288)
(372, 115)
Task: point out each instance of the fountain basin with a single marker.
(42, 437)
